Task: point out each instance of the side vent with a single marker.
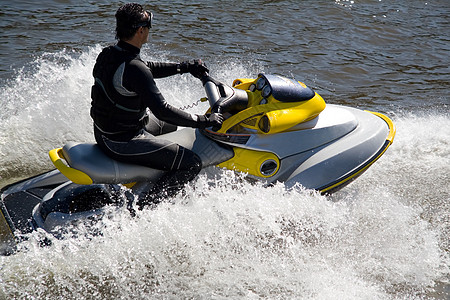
(268, 167)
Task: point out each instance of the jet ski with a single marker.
(275, 130)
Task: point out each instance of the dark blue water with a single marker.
(385, 236)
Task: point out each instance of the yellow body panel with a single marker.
(250, 161)
(76, 176)
(243, 83)
(274, 116)
(265, 116)
(129, 185)
(283, 119)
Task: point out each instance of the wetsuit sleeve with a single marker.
(139, 78)
(161, 70)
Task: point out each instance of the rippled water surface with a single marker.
(385, 236)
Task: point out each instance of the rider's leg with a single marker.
(158, 127)
(181, 164)
(188, 166)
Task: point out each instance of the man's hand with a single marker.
(215, 120)
(196, 67)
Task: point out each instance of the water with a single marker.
(385, 236)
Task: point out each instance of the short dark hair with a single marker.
(126, 17)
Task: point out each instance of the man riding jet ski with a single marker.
(271, 128)
(275, 130)
(123, 92)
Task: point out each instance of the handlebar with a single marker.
(223, 98)
(210, 85)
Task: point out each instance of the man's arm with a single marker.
(139, 78)
(161, 70)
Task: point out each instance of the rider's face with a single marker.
(145, 35)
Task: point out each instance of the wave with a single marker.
(226, 238)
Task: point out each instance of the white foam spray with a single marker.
(382, 237)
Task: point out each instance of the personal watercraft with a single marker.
(276, 130)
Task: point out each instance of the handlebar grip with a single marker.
(212, 93)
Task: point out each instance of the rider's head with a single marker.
(129, 18)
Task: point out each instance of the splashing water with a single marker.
(384, 236)
(41, 109)
(227, 238)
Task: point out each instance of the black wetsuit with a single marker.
(124, 129)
